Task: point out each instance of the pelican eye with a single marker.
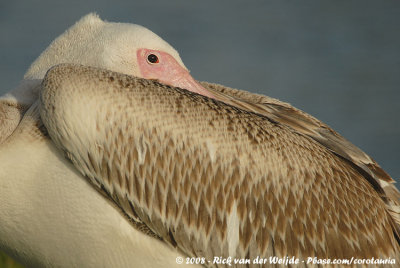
(151, 58)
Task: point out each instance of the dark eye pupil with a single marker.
(152, 58)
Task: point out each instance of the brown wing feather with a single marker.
(301, 122)
(210, 178)
(306, 124)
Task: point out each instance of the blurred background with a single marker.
(337, 60)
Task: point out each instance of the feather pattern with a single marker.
(243, 177)
(307, 125)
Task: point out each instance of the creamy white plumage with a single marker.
(49, 214)
(171, 172)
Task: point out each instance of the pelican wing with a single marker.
(210, 178)
(307, 125)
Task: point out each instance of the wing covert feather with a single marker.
(209, 178)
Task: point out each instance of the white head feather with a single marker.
(93, 42)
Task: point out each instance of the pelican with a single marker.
(109, 160)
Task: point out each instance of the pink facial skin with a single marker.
(154, 64)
